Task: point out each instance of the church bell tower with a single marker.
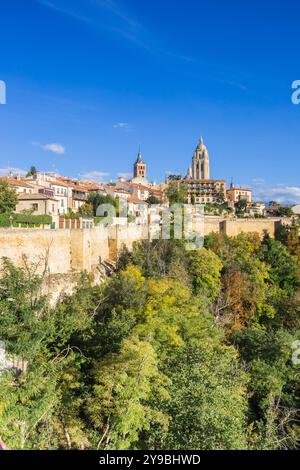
(139, 169)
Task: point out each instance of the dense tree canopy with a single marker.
(178, 349)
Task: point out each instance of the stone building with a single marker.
(206, 191)
(237, 193)
(39, 204)
(70, 194)
(137, 190)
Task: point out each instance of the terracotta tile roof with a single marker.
(59, 183)
(76, 185)
(15, 182)
(90, 186)
(136, 200)
(136, 185)
(34, 197)
(140, 186)
(68, 182)
(120, 190)
(80, 188)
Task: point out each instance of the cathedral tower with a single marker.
(200, 169)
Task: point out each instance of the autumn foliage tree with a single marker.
(178, 349)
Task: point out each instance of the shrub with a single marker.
(25, 220)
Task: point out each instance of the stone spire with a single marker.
(139, 156)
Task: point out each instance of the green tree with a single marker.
(152, 200)
(245, 294)
(240, 207)
(8, 198)
(124, 384)
(38, 400)
(289, 235)
(285, 211)
(96, 200)
(177, 192)
(204, 268)
(23, 311)
(283, 266)
(157, 258)
(86, 210)
(273, 388)
(32, 171)
(208, 405)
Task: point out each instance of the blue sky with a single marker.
(88, 81)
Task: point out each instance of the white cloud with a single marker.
(171, 173)
(258, 181)
(59, 149)
(279, 193)
(121, 125)
(14, 171)
(96, 176)
(55, 148)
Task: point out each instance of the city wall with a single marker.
(63, 251)
(233, 227)
(67, 251)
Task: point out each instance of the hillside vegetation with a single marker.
(177, 349)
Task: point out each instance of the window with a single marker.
(35, 206)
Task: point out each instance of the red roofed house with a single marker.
(20, 185)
